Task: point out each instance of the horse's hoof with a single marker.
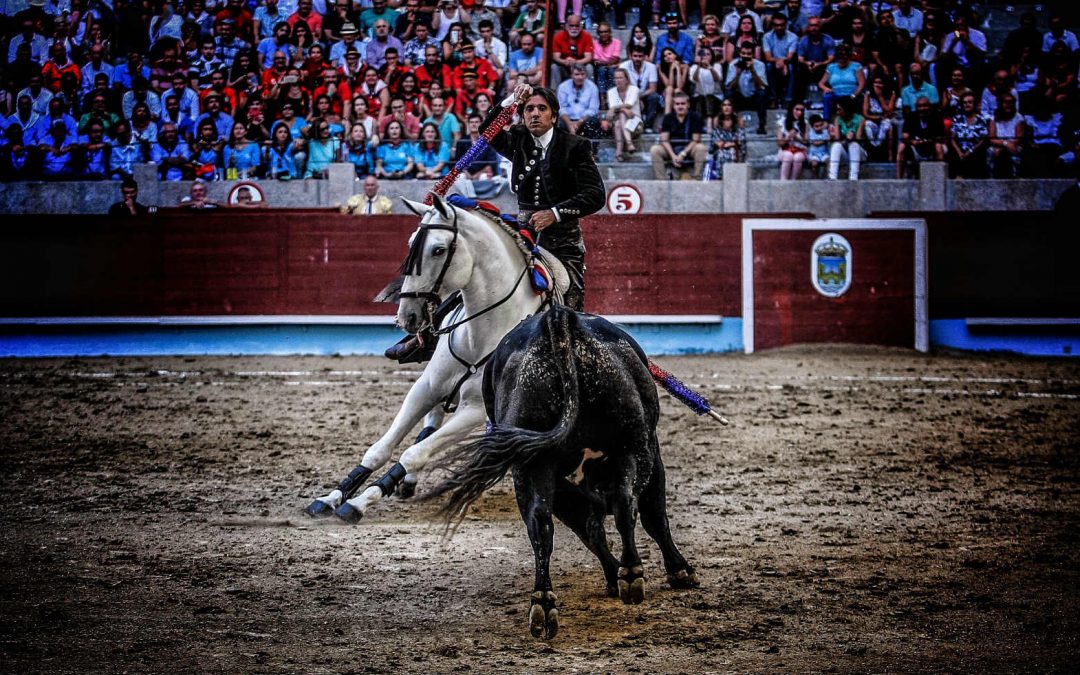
(686, 578)
(613, 590)
(543, 616)
(319, 509)
(637, 591)
(348, 513)
(425, 432)
(536, 620)
(632, 585)
(406, 490)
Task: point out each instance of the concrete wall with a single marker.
(737, 193)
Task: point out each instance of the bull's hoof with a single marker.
(613, 590)
(405, 490)
(348, 513)
(319, 509)
(685, 578)
(632, 585)
(543, 616)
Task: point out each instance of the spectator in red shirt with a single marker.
(245, 22)
(433, 70)
(335, 89)
(307, 15)
(409, 122)
(467, 94)
(393, 70)
(56, 66)
(572, 46)
(486, 76)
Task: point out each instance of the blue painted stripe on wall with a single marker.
(38, 341)
(659, 339)
(1033, 341)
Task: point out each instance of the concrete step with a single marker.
(638, 171)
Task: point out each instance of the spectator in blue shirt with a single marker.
(394, 158)
(126, 152)
(242, 156)
(747, 84)
(15, 155)
(281, 155)
(56, 113)
(222, 121)
(779, 50)
(97, 150)
(432, 155)
(815, 52)
(123, 75)
(358, 151)
(579, 103)
(278, 43)
(186, 98)
(56, 148)
(526, 62)
(171, 154)
(184, 126)
(206, 151)
(681, 43)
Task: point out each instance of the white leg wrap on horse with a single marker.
(333, 499)
(366, 499)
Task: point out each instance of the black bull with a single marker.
(561, 382)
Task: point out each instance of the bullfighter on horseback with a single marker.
(556, 181)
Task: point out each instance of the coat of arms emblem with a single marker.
(830, 265)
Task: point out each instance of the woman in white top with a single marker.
(445, 15)
(708, 78)
(624, 114)
(1007, 132)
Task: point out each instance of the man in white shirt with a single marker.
(908, 18)
(643, 76)
(491, 48)
(96, 64)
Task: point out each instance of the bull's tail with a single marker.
(484, 462)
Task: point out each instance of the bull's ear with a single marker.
(418, 208)
(441, 206)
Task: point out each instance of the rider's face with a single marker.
(539, 117)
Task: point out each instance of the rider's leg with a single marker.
(572, 256)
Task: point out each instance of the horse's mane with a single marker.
(523, 244)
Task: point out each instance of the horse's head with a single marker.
(439, 262)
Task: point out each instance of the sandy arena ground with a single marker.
(869, 510)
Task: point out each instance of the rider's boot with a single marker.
(414, 348)
(421, 347)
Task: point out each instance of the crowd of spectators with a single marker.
(280, 89)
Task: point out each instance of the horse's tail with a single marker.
(486, 460)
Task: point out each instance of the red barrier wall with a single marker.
(319, 263)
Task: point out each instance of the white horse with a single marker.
(453, 249)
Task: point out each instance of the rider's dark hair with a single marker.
(549, 96)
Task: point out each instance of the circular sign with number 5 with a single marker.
(624, 200)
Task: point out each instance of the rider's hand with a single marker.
(542, 219)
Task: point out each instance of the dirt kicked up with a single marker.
(868, 510)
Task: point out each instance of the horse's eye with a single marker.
(438, 251)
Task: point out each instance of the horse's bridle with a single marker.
(414, 261)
